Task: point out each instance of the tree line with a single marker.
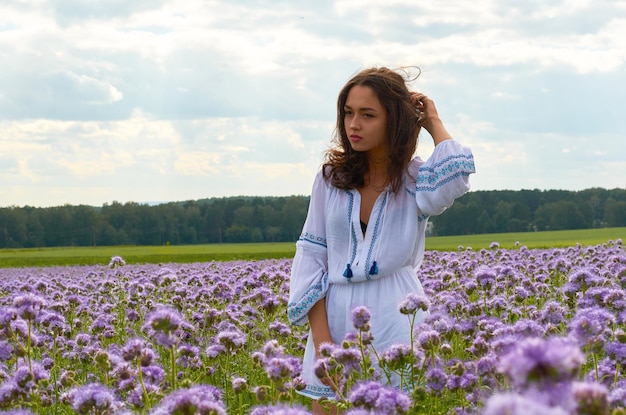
(280, 219)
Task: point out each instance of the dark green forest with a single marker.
(280, 219)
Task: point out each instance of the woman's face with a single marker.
(365, 121)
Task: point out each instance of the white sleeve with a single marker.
(444, 177)
(308, 281)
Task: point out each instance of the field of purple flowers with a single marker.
(515, 331)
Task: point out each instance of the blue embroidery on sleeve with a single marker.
(445, 171)
(298, 311)
(309, 237)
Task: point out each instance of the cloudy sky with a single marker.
(167, 100)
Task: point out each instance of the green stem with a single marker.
(146, 397)
(334, 386)
(173, 367)
(28, 346)
(380, 365)
(363, 362)
(412, 359)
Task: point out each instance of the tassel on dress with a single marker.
(374, 269)
(348, 272)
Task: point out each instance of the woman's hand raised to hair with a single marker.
(429, 117)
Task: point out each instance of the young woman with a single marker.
(363, 239)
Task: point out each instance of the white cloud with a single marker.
(167, 100)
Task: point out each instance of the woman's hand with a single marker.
(320, 332)
(429, 117)
(323, 375)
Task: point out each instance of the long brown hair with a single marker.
(346, 167)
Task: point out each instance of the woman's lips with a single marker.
(355, 138)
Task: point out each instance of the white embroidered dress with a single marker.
(383, 263)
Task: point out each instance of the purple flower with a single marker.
(189, 356)
(6, 350)
(327, 348)
(47, 363)
(231, 340)
(11, 393)
(281, 369)
(392, 401)
(591, 398)
(199, 399)
(468, 381)
(163, 326)
(163, 320)
(137, 395)
(379, 399)
(414, 302)
(486, 365)
(153, 374)
(261, 393)
(479, 347)
(366, 338)
(542, 361)
(116, 261)
(617, 352)
(436, 379)
(584, 278)
(486, 277)
(214, 350)
(272, 349)
(133, 349)
(320, 368)
(239, 384)
(280, 328)
(279, 409)
(28, 306)
(361, 318)
(429, 340)
(528, 328)
(350, 358)
(27, 377)
(93, 398)
(7, 315)
(617, 397)
(553, 313)
(148, 356)
(590, 327)
(52, 322)
(83, 339)
(397, 356)
(514, 404)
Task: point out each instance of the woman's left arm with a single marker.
(429, 117)
(445, 175)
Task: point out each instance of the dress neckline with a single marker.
(363, 227)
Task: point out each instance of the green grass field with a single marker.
(34, 257)
(549, 239)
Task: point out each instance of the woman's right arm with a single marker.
(309, 276)
(318, 320)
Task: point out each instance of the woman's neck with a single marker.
(376, 175)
